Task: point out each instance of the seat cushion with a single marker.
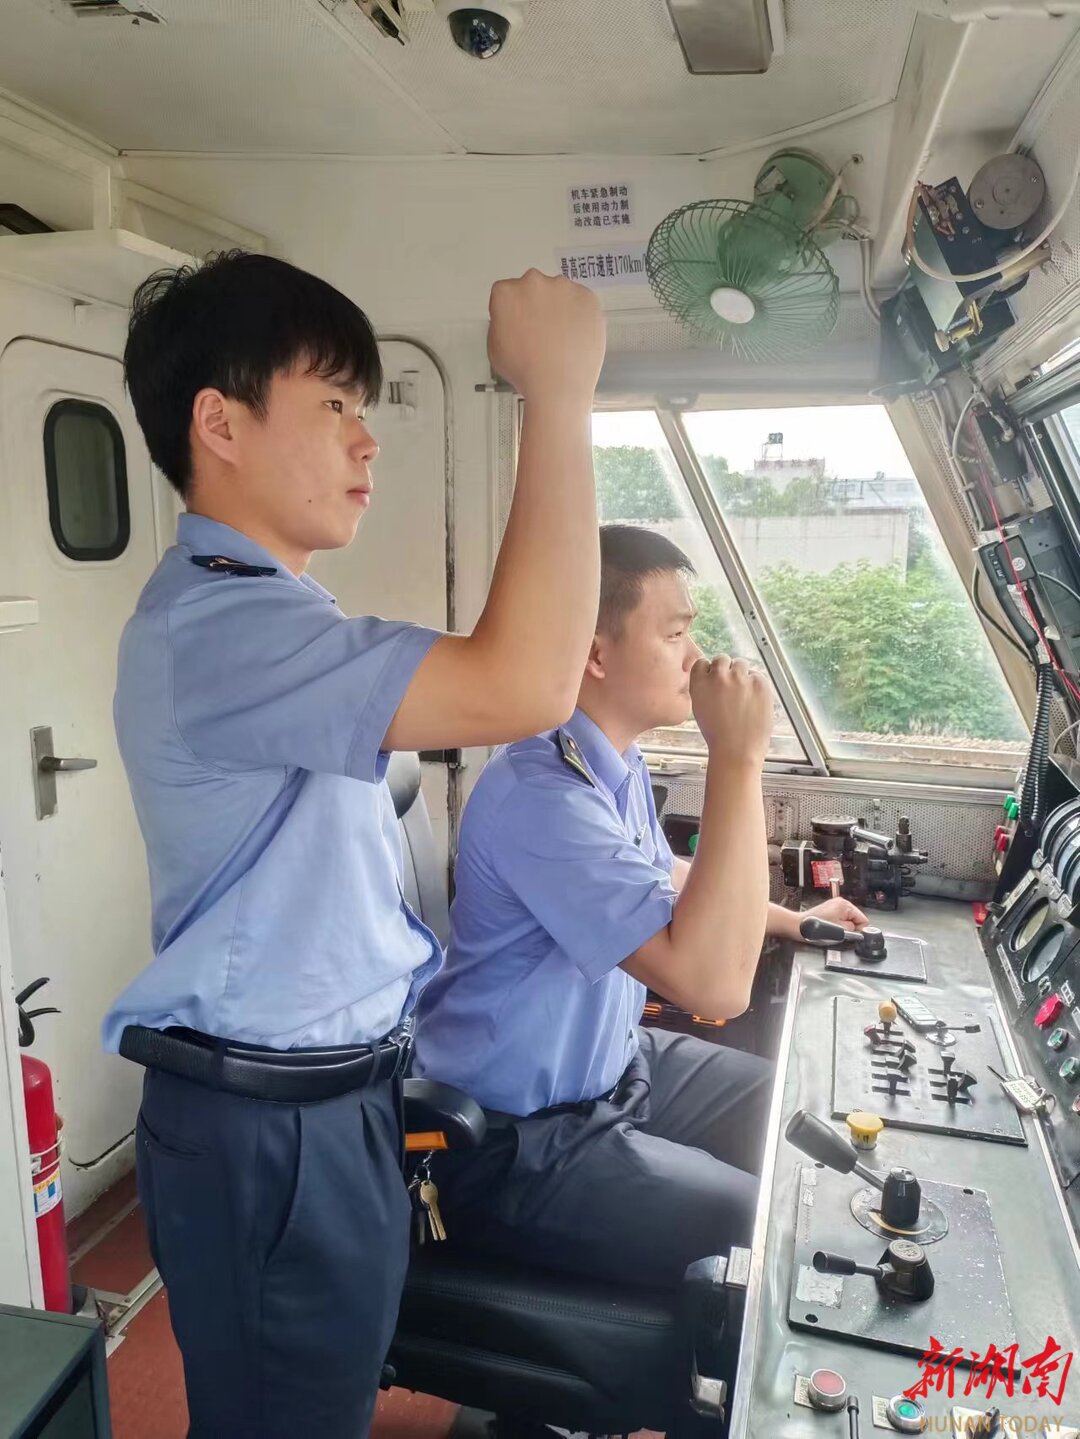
(574, 1352)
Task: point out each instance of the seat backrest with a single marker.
(425, 882)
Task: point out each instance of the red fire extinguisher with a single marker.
(44, 1125)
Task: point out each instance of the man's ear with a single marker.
(594, 666)
(210, 424)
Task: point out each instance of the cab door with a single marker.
(80, 514)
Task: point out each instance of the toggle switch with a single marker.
(1048, 1011)
(1058, 1038)
(1070, 1070)
(958, 1084)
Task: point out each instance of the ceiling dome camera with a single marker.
(480, 30)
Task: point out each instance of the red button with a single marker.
(828, 1381)
(1001, 839)
(1048, 1011)
(979, 911)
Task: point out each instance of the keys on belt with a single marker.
(423, 1188)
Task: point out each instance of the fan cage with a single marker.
(713, 243)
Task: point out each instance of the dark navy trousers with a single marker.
(282, 1234)
(634, 1187)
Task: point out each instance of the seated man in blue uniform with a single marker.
(254, 721)
(612, 1150)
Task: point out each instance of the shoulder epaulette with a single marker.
(225, 566)
(572, 756)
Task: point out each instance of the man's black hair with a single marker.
(627, 556)
(232, 324)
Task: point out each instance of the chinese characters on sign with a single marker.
(601, 207)
(603, 265)
(998, 1371)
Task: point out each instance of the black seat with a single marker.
(526, 1343)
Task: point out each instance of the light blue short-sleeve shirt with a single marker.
(562, 873)
(250, 714)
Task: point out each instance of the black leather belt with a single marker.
(289, 1076)
(496, 1119)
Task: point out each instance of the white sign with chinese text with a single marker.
(601, 207)
(599, 266)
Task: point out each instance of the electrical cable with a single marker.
(988, 617)
(1053, 579)
(1020, 589)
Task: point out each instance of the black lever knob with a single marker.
(826, 1263)
(984, 1426)
(905, 1059)
(948, 1059)
(870, 945)
(901, 1199)
(822, 931)
(822, 1142)
(893, 1080)
(903, 1271)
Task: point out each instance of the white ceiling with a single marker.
(314, 77)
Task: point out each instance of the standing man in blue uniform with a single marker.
(254, 720)
(612, 1151)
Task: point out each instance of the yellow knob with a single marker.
(887, 1011)
(864, 1128)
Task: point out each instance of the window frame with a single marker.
(71, 405)
(819, 762)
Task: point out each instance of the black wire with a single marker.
(1002, 631)
(1033, 793)
(1061, 584)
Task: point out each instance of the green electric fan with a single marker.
(752, 276)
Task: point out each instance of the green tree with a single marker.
(711, 628)
(757, 496)
(887, 654)
(631, 485)
(881, 649)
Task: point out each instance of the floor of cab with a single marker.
(146, 1385)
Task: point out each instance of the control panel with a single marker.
(1031, 937)
(915, 1267)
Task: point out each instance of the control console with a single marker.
(1031, 937)
(913, 1267)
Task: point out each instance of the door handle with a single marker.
(47, 766)
(53, 764)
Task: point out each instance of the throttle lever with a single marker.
(904, 1270)
(822, 1142)
(826, 1263)
(822, 931)
(868, 943)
